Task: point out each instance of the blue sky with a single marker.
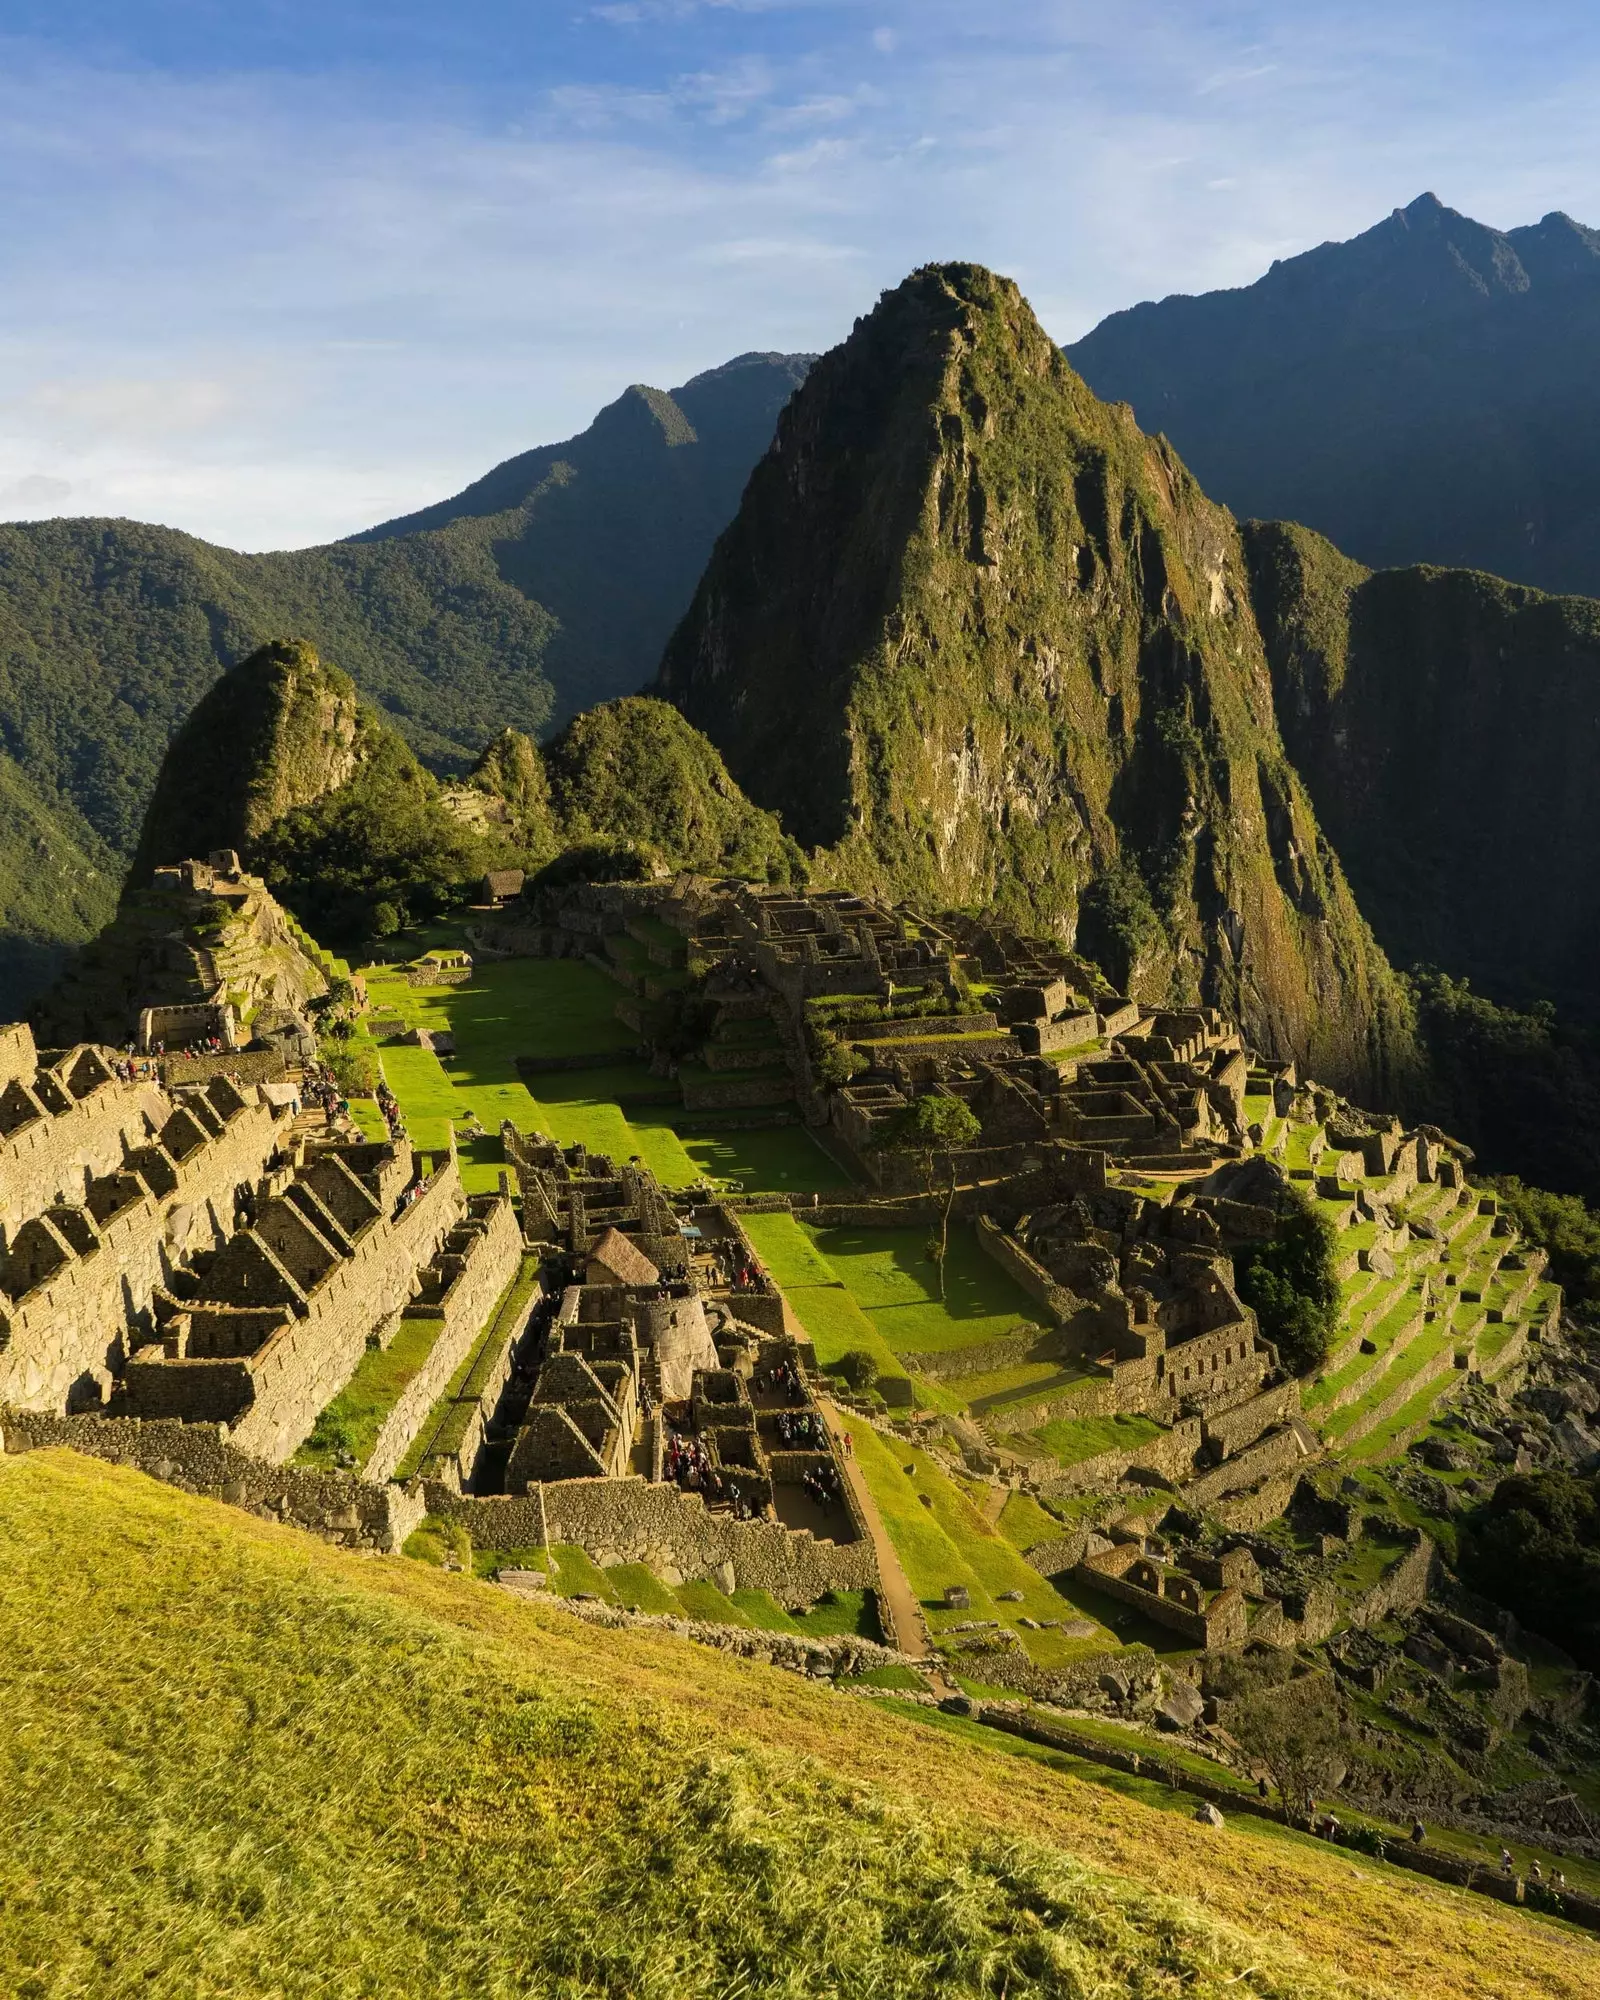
(275, 270)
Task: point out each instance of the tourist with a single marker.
(1418, 1833)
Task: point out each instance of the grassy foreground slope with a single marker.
(238, 1761)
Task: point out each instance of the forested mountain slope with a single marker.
(550, 585)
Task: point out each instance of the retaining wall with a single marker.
(1034, 1279)
(200, 1459)
(634, 1520)
(492, 1262)
(304, 1366)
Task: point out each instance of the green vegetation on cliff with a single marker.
(634, 770)
(1520, 1085)
(987, 643)
(550, 583)
(58, 885)
(1535, 1546)
(283, 763)
(1447, 726)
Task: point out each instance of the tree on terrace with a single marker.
(928, 1126)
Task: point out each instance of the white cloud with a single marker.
(273, 312)
(35, 494)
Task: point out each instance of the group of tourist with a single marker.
(320, 1086)
(802, 1427)
(783, 1377)
(389, 1105)
(687, 1463)
(823, 1484)
(134, 1068)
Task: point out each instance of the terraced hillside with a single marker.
(583, 1811)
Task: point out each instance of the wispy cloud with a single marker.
(272, 309)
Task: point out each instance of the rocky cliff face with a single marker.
(282, 730)
(981, 639)
(1448, 727)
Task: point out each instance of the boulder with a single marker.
(1207, 1815)
(1181, 1707)
(1444, 1456)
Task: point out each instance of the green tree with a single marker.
(1534, 1546)
(1290, 1281)
(928, 1126)
(833, 1061)
(1300, 1734)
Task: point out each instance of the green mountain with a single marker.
(981, 639)
(58, 885)
(1423, 393)
(550, 584)
(320, 796)
(1447, 725)
(635, 771)
(610, 530)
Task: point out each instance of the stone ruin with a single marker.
(670, 1366)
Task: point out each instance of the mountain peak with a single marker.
(980, 639)
(280, 730)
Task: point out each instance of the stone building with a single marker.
(108, 1189)
(265, 1333)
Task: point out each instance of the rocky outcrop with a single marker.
(282, 730)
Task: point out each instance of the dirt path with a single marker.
(994, 1504)
(901, 1599)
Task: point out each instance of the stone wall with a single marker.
(54, 1154)
(1034, 1279)
(1230, 1430)
(492, 1261)
(243, 1066)
(986, 1357)
(68, 1336)
(1170, 1456)
(1401, 1588)
(200, 1459)
(1279, 1451)
(634, 1520)
(304, 1366)
(1257, 1505)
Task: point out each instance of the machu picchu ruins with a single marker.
(809, 1202)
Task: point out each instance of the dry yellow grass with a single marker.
(117, 1589)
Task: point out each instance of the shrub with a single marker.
(1289, 1279)
(1534, 1546)
(859, 1369)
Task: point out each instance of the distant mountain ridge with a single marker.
(610, 530)
(1425, 392)
(547, 586)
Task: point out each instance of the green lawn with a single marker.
(1073, 1439)
(894, 1283)
(537, 1007)
(789, 1253)
(445, 1425)
(310, 1773)
(942, 1539)
(351, 1422)
(775, 1159)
